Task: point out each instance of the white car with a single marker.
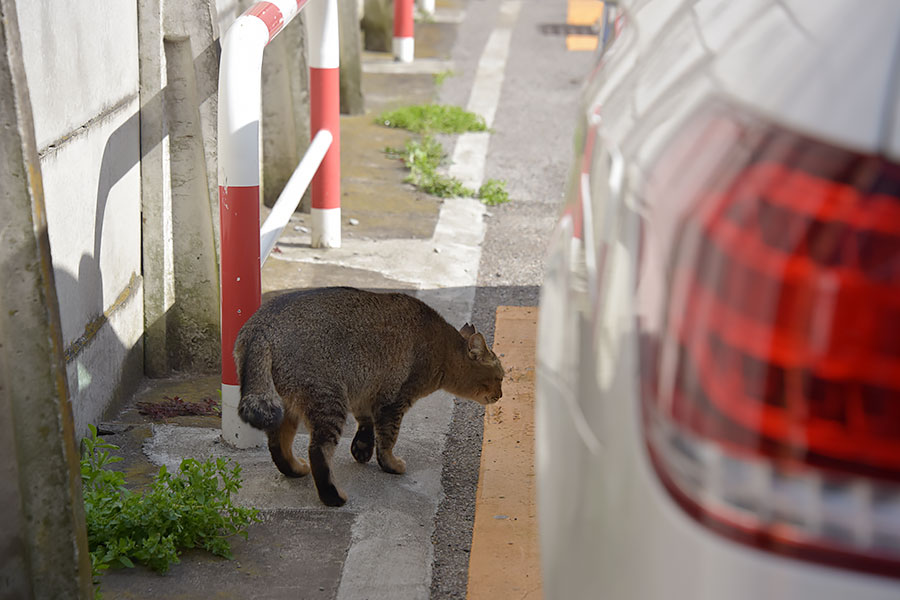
(718, 392)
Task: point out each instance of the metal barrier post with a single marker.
(404, 43)
(325, 115)
(240, 94)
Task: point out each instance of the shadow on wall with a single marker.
(199, 341)
(118, 362)
(113, 360)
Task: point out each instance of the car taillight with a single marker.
(772, 380)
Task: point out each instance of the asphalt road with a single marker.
(531, 149)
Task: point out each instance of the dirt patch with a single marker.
(176, 406)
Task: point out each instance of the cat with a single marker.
(313, 356)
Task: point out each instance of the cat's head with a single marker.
(485, 373)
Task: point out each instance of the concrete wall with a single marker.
(377, 18)
(179, 58)
(40, 482)
(82, 70)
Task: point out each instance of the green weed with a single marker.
(424, 157)
(432, 118)
(190, 509)
(442, 76)
(493, 192)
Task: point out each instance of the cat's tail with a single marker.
(260, 405)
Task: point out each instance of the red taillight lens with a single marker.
(772, 397)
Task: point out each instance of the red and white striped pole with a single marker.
(404, 44)
(240, 93)
(325, 114)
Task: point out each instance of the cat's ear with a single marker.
(477, 347)
(467, 331)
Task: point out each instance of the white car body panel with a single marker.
(609, 530)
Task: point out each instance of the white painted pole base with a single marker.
(234, 431)
(427, 7)
(404, 49)
(326, 228)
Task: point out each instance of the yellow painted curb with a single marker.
(583, 12)
(504, 561)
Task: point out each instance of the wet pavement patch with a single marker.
(293, 553)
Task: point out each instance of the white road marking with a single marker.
(471, 148)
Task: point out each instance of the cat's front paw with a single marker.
(391, 464)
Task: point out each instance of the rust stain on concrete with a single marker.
(504, 561)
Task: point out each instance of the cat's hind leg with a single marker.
(281, 443)
(387, 428)
(364, 441)
(325, 425)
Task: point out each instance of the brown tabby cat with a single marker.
(315, 355)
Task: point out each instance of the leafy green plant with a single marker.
(424, 157)
(442, 76)
(432, 118)
(493, 192)
(189, 509)
(426, 151)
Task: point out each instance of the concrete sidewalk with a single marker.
(379, 544)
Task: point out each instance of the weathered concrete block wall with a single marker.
(82, 69)
(229, 10)
(285, 109)
(378, 25)
(179, 58)
(349, 17)
(40, 489)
